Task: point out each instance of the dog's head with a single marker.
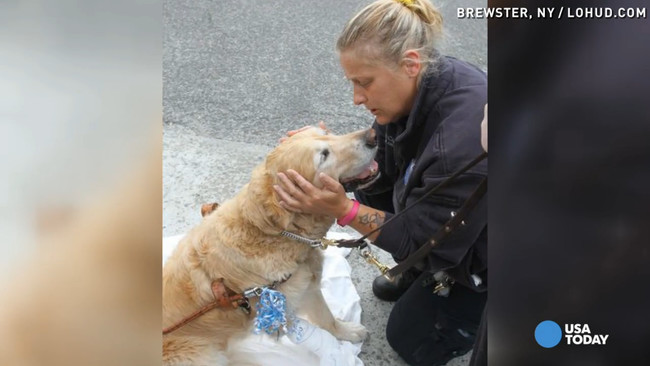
(347, 158)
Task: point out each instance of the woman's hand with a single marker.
(484, 129)
(297, 194)
(321, 124)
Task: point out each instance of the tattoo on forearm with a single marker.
(372, 220)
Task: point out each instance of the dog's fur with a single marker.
(240, 243)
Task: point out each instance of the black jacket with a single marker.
(441, 135)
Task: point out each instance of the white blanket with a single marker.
(341, 296)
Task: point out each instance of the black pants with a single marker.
(479, 353)
(427, 329)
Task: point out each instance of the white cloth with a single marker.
(344, 302)
(329, 350)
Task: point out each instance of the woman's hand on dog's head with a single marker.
(321, 124)
(297, 194)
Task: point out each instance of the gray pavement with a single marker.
(237, 75)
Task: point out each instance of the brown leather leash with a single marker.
(224, 297)
(456, 221)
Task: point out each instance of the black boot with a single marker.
(392, 290)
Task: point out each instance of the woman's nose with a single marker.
(358, 97)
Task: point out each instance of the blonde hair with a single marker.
(387, 29)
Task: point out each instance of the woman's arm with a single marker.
(368, 219)
(298, 195)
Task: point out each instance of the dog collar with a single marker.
(322, 243)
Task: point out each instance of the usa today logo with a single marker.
(548, 334)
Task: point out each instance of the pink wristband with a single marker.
(343, 221)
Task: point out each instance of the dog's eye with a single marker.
(324, 154)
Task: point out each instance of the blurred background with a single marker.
(569, 176)
(80, 148)
(78, 105)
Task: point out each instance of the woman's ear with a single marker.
(411, 63)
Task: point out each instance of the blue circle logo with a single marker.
(548, 334)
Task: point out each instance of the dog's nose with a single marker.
(371, 138)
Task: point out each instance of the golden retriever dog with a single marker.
(240, 244)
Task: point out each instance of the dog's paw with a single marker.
(348, 331)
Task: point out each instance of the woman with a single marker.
(428, 109)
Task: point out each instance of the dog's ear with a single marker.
(262, 207)
(208, 208)
(296, 156)
(276, 160)
(280, 216)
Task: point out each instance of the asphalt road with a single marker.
(237, 75)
